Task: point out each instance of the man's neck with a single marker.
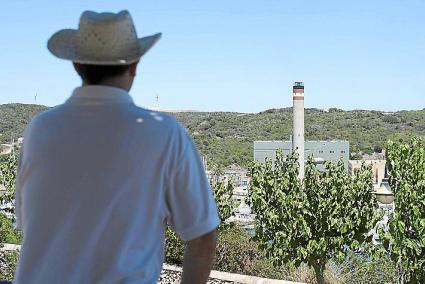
(111, 83)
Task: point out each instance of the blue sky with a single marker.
(238, 55)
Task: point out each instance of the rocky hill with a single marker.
(226, 138)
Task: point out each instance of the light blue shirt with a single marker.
(98, 180)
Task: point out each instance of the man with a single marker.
(100, 178)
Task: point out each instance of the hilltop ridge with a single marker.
(226, 138)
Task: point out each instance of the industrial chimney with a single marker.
(298, 132)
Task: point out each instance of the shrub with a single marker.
(174, 248)
(8, 262)
(236, 253)
(391, 119)
(7, 233)
(364, 268)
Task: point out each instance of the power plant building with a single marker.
(332, 150)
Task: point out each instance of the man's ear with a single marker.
(133, 69)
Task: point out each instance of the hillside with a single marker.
(227, 137)
(14, 118)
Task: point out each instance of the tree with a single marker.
(8, 234)
(377, 149)
(223, 192)
(223, 196)
(311, 222)
(405, 238)
(8, 168)
(8, 262)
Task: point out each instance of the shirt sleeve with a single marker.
(192, 208)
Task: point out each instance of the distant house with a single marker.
(378, 168)
(237, 175)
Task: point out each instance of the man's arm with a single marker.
(198, 259)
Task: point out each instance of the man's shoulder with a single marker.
(48, 114)
(159, 128)
(158, 123)
(157, 119)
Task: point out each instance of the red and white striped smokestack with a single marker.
(298, 130)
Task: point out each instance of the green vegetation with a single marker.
(8, 170)
(239, 253)
(8, 262)
(174, 246)
(328, 221)
(8, 166)
(8, 259)
(236, 252)
(14, 118)
(405, 238)
(362, 268)
(313, 221)
(226, 138)
(223, 195)
(8, 235)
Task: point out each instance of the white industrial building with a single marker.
(329, 150)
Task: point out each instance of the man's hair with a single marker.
(95, 74)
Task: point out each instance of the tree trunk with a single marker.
(401, 275)
(319, 268)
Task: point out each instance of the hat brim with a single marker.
(62, 45)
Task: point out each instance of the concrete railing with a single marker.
(6, 247)
(233, 277)
(215, 275)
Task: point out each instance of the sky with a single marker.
(239, 55)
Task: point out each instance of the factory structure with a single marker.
(329, 150)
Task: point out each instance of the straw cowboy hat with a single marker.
(101, 39)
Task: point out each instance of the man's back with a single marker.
(99, 178)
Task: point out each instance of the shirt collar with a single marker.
(99, 94)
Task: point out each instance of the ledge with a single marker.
(233, 277)
(222, 277)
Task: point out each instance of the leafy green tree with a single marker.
(311, 222)
(7, 233)
(8, 262)
(223, 196)
(8, 169)
(174, 248)
(405, 238)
